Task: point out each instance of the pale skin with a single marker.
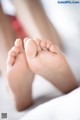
(35, 24)
(47, 60)
(40, 57)
(19, 76)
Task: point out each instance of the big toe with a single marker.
(30, 48)
(18, 43)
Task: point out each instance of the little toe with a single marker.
(30, 48)
(11, 53)
(10, 60)
(54, 48)
(37, 41)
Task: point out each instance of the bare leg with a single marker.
(19, 76)
(34, 20)
(47, 60)
(7, 38)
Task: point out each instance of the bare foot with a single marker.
(19, 76)
(46, 59)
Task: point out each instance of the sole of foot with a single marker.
(19, 76)
(47, 60)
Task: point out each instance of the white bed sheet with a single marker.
(66, 107)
